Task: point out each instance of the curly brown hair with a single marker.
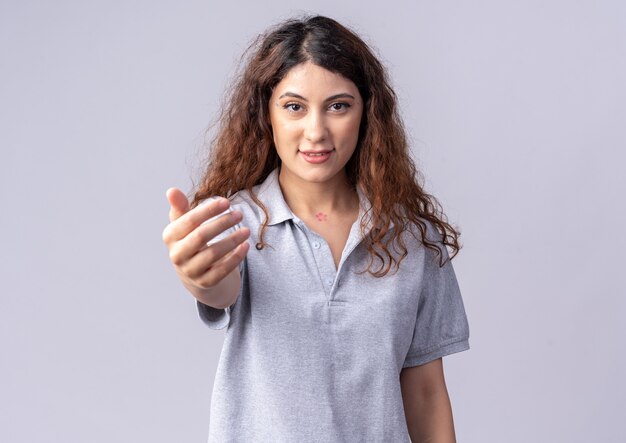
(242, 152)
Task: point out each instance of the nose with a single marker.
(316, 129)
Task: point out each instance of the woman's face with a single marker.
(315, 116)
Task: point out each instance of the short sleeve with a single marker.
(441, 327)
(216, 318)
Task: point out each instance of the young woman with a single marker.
(338, 316)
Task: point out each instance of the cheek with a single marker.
(284, 130)
(351, 130)
(356, 127)
(282, 133)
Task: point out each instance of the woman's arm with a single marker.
(209, 272)
(220, 296)
(426, 403)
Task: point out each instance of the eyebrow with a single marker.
(332, 97)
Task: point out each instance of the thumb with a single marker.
(178, 201)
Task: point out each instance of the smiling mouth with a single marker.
(317, 157)
(317, 153)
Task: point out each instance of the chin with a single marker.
(311, 173)
(319, 176)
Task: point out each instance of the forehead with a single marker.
(310, 79)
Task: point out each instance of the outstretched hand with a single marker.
(199, 265)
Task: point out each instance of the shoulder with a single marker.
(424, 243)
(251, 203)
(263, 204)
(420, 232)
(242, 201)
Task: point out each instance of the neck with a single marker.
(307, 198)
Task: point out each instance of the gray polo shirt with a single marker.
(313, 353)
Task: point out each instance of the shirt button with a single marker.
(316, 244)
(329, 282)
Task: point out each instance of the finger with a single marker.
(183, 250)
(178, 202)
(225, 266)
(212, 254)
(203, 234)
(183, 225)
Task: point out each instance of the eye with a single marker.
(339, 106)
(293, 107)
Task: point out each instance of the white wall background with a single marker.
(517, 112)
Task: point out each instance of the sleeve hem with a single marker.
(214, 318)
(446, 348)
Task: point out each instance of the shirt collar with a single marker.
(271, 195)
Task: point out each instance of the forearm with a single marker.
(430, 419)
(221, 295)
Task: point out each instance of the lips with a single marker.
(317, 157)
(317, 153)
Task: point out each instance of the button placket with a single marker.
(326, 266)
(323, 258)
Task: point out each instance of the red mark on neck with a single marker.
(320, 216)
